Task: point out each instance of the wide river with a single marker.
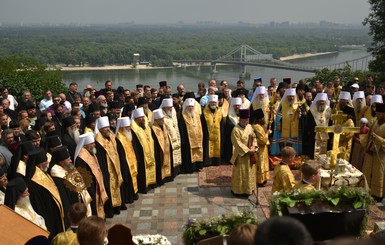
(191, 76)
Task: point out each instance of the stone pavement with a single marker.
(166, 209)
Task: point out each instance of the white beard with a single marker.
(74, 134)
(213, 107)
(260, 102)
(169, 113)
(128, 134)
(190, 113)
(24, 201)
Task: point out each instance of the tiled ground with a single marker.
(166, 209)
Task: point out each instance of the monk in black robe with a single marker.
(44, 195)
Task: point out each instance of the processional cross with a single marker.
(337, 129)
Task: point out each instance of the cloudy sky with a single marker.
(188, 11)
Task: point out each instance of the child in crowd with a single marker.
(283, 177)
(311, 175)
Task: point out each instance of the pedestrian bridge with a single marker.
(247, 56)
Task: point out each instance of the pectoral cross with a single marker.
(337, 129)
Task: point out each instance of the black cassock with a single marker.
(101, 155)
(141, 177)
(309, 136)
(127, 188)
(227, 144)
(187, 165)
(67, 196)
(44, 204)
(70, 143)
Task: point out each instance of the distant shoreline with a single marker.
(306, 55)
(145, 67)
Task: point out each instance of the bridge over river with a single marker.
(247, 56)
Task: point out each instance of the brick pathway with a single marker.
(166, 209)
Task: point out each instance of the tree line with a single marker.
(115, 45)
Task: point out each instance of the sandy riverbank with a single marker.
(306, 55)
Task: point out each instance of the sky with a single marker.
(187, 11)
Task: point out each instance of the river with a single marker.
(191, 76)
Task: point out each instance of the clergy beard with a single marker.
(92, 150)
(190, 113)
(308, 102)
(359, 107)
(291, 102)
(104, 105)
(321, 108)
(44, 169)
(300, 96)
(169, 113)
(260, 102)
(128, 134)
(142, 124)
(74, 134)
(24, 201)
(213, 107)
(107, 134)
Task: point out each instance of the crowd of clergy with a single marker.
(104, 147)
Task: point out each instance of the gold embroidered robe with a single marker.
(213, 122)
(164, 143)
(265, 108)
(44, 180)
(100, 192)
(262, 168)
(374, 164)
(130, 158)
(346, 140)
(290, 120)
(243, 179)
(195, 136)
(171, 124)
(147, 142)
(113, 164)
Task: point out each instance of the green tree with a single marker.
(20, 73)
(376, 22)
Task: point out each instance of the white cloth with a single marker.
(26, 210)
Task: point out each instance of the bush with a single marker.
(214, 226)
(20, 73)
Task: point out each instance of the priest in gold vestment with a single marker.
(191, 137)
(212, 129)
(374, 161)
(260, 100)
(171, 123)
(262, 135)
(143, 144)
(109, 161)
(85, 157)
(243, 181)
(128, 162)
(286, 124)
(161, 147)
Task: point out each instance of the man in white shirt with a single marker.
(47, 101)
(12, 101)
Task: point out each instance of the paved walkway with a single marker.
(166, 209)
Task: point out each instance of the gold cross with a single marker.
(337, 129)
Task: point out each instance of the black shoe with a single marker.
(123, 207)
